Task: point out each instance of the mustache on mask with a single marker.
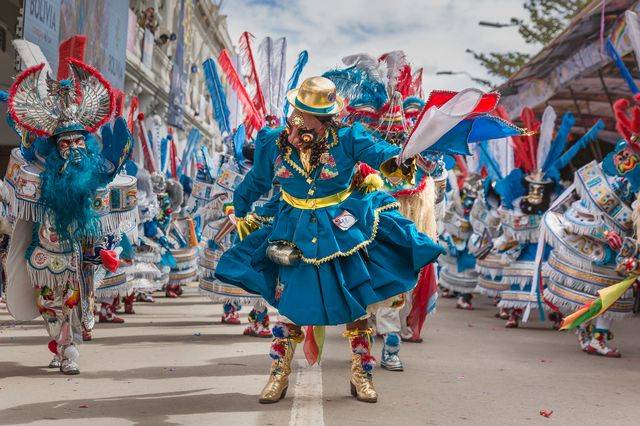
(75, 158)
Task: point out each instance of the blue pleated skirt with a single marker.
(335, 291)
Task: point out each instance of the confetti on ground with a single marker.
(83, 406)
(546, 413)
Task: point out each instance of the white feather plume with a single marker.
(367, 63)
(31, 55)
(394, 61)
(272, 68)
(546, 135)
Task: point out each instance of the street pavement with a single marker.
(174, 363)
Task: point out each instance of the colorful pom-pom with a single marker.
(392, 343)
(371, 183)
(277, 350)
(368, 363)
(141, 116)
(280, 331)
(360, 345)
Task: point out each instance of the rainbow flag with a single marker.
(606, 297)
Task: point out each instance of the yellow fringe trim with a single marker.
(420, 208)
(352, 334)
(317, 262)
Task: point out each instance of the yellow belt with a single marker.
(316, 203)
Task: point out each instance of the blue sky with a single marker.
(433, 33)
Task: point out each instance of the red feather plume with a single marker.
(525, 147)
(73, 47)
(253, 120)
(250, 70)
(416, 83)
(133, 108)
(628, 119)
(119, 100)
(404, 81)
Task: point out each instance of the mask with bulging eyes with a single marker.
(305, 136)
(71, 146)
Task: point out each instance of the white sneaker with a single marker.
(69, 367)
(55, 362)
(584, 337)
(598, 346)
(70, 356)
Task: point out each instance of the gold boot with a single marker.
(278, 383)
(361, 381)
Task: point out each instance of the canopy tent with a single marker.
(574, 73)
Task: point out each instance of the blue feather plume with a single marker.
(560, 141)
(208, 163)
(218, 97)
(624, 72)
(164, 149)
(590, 136)
(190, 149)
(303, 58)
(357, 85)
(560, 163)
(238, 141)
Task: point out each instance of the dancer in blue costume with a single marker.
(332, 251)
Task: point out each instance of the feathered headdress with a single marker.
(624, 160)
(82, 102)
(545, 154)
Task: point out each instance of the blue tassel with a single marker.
(624, 72)
(218, 97)
(303, 58)
(4, 96)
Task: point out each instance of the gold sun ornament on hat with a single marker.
(316, 96)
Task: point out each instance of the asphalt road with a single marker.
(174, 363)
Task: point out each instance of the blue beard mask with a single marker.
(69, 189)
